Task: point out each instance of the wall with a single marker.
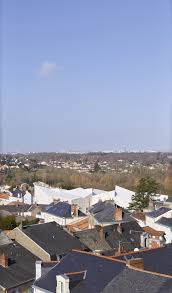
(123, 196)
(61, 221)
(29, 244)
(109, 195)
(38, 290)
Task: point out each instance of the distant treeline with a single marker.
(69, 179)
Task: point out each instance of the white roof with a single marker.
(123, 196)
(48, 194)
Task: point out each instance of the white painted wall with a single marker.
(123, 196)
(108, 195)
(61, 221)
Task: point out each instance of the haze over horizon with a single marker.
(86, 75)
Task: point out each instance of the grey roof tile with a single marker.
(21, 265)
(91, 239)
(102, 275)
(52, 238)
(157, 213)
(165, 222)
(132, 281)
(103, 212)
(155, 260)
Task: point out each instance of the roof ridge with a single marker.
(141, 250)
(150, 272)
(100, 256)
(75, 273)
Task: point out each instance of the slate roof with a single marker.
(21, 266)
(100, 274)
(165, 222)
(155, 260)
(52, 238)
(61, 209)
(15, 208)
(129, 238)
(132, 281)
(103, 212)
(99, 271)
(157, 213)
(91, 239)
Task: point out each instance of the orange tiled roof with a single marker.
(139, 216)
(153, 232)
(4, 196)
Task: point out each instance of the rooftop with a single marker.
(92, 239)
(15, 208)
(153, 232)
(157, 213)
(92, 273)
(52, 238)
(165, 222)
(62, 209)
(129, 237)
(155, 260)
(103, 212)
(21, 265)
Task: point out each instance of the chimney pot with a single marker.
(119, 229)
(3, 260)
(118, 214)
(74, 210)
(101, 232)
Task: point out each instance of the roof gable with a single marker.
(52, 238)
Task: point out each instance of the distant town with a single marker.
(71, 236)
(123, 162)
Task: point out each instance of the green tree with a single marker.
(7, 223)
(145, 190)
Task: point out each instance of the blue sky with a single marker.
(86, 75)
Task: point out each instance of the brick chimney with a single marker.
(74, 210)
(119, 228)
(137, 263)
(118, 214)
(101, 232)
(3, 260)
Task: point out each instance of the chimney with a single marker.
(38, 269)
(62, 284)
(74, 210)
(101, 232)
(3, 260)
(119, 228)
(118, 214)
(137, 263)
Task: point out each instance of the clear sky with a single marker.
(86, 75)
